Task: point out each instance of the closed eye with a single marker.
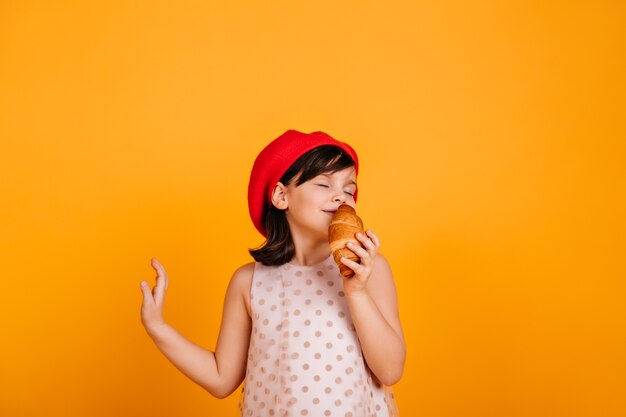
(326, 186)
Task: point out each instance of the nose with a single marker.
(340, 197)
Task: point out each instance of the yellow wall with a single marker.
(493, 153)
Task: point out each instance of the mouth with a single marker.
(330, 213)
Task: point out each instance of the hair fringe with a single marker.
(278, 247)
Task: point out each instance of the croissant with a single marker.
(343, 228)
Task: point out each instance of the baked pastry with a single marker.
(343, 228)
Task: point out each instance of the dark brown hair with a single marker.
(278, 247)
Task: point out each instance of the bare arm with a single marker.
(374, 312)
(373, 303)
(220, 373)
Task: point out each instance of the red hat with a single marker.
(275, 159)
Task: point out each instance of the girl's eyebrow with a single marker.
(350, 182)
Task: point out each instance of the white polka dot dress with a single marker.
(304, 357)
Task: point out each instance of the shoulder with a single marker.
(381, 283)
(382, 268)
(241, 282)
(243, 273)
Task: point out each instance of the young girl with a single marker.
(307, 341)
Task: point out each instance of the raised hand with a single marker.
(363, 270)
(152, 306)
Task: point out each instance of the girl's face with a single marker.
(311, 205)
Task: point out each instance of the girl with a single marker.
(307, 341)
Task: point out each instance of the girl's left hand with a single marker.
(363, 270)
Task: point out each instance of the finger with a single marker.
(159, 291)
(362, 253)
(158, 267)
(161, 273)
(374, 238)
(161, 282)
(369, 246)
(147, 294)
(367, 242)
(355, 266)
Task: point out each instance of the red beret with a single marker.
(275, 159)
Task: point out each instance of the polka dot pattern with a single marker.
(304, 357)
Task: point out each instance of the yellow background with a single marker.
(492, 140)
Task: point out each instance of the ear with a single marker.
(279, 196)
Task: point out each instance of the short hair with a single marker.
(278, 247)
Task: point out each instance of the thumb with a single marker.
(147, 294)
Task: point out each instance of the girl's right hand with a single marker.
(152, 306)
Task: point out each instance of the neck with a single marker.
(310, 253)
(308, 259)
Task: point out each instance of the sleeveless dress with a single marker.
(304, 357)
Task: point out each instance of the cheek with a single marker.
(315, 195)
